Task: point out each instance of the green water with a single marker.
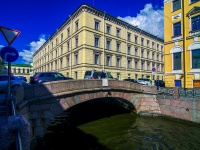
(108, 124)
(131, 132)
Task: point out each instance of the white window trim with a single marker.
(195, 45)
(176, 49)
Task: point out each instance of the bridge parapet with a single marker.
(56, 88)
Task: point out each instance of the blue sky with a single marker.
(38, 19)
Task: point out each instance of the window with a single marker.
(129, 50)
(118, 32)
(142, 65)
(129, 36)
(152, 55)
(61, 38)
(118, 46)
(161, 48)
(56, 41)
(148, 43)
(196, 23)
(136, 39)
(196, 58)
(136, 51)
(118, 62)
(136, 65)
(61, 63)
(142, 53)
(68, 32)
(96, 25)
(56, 53)
(176, 5)
(108, 29)
(96, 59)
(147, 54)
(68, 63)
(96, 41)
(108, 60)
(177, 61)
(56, 65)
(108, 44)
(148, 66)
(152, 44)
(158, 47)
(76, 58)
(76, 25)
(142, 41)
(157, 56)
(129, 63)
(68, 48)
(194, 1)
(177, 29)
(76, 42)
(61, 49)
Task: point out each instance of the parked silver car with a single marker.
(13, 82)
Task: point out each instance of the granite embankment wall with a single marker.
(180, 103)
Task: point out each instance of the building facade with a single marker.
(182, 43)
(92, 39)
(19, 70)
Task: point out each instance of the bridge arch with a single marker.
(42, 104)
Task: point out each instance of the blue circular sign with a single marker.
(153, 69)
(9, 54)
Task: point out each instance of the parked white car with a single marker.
(145, 81)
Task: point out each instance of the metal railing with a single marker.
(18, 141)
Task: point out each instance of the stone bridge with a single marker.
(42, 104)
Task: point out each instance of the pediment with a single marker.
(176, 49)
(193, 11)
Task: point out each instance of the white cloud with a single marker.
(27, 55)
(149, 19)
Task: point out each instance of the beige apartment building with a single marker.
(92, 39)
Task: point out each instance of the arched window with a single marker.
(195, 54)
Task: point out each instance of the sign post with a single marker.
(153, 73)
(9, 54)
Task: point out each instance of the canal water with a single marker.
(122, 130)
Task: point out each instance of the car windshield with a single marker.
(143, 79)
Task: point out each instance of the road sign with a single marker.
(153, 69)
(9, 54)
(9, 34)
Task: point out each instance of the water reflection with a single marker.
(119, 130)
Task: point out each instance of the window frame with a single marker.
(197, 22)
(177, 29)
(176, 5)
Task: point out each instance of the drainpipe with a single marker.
(71, 27)
(104, 41)
(184, 47)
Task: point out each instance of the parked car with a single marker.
(161, 83)
(131, 80)
(88, 74)
(14, 82)
(41, 77)
(145, 81)
(21, 78)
